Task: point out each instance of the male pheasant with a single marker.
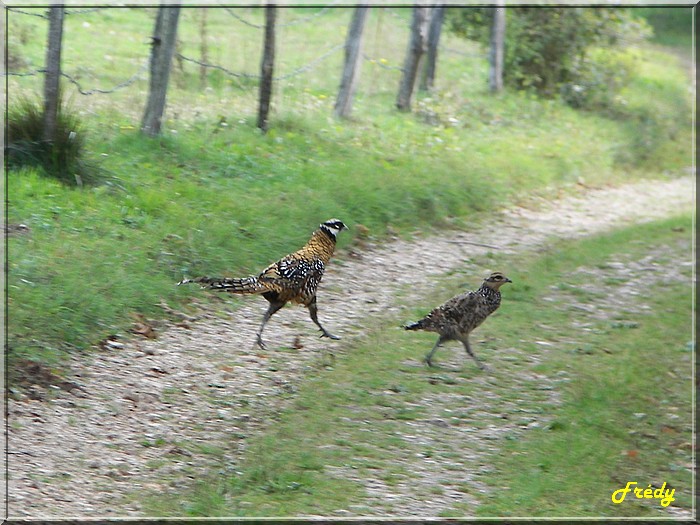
(294, 278)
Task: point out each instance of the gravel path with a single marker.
(152, 415)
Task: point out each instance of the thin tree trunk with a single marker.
(416, 50)
(203, 47)
(351, 69)
(267, 67)
(436, 20)
(498, 35)
(162, 50)
(52, 96)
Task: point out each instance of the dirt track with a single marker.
(146, 411)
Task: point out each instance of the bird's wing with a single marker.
(293, 272)
(456, 307)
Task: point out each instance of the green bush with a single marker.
(600, 75)
(63, 158)
(559, 50)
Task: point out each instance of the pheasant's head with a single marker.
(333, 226)
(496, 280)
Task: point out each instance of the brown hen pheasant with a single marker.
(293, 278)
(456, 319)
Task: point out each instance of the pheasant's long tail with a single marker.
(247, 285)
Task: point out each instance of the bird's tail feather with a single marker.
(247, 285)
(414, 326)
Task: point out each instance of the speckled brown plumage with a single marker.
(456, 319)
(294, 278)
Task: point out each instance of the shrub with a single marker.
(548, 49)
(62, 158)
(599, 76)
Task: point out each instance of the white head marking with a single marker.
(333, 226)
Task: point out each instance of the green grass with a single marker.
(556, 427)
(657, 124)
(626, 413)
(209, 198)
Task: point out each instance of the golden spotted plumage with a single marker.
(294, 278)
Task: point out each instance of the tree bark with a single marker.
(52, 95)
(203, 47)
(162, 50)
(416, 50)
(498, 36)
(351, 69)
(436, 20)
(267, 67)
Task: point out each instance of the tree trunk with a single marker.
(436, 20)
(267, 67)
(416, 50)
(52, 96)
(162, 49)
(203, 47)
(498, 35)
(351, 69)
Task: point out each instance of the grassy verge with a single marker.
(214, 196)
(590, 388)
(626, 412)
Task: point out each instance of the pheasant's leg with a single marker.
(313, 312)
(274, 306)
(428, 359)
(467, 347)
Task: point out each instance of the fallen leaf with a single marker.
(142, 326)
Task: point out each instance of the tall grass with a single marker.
(63, 157)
